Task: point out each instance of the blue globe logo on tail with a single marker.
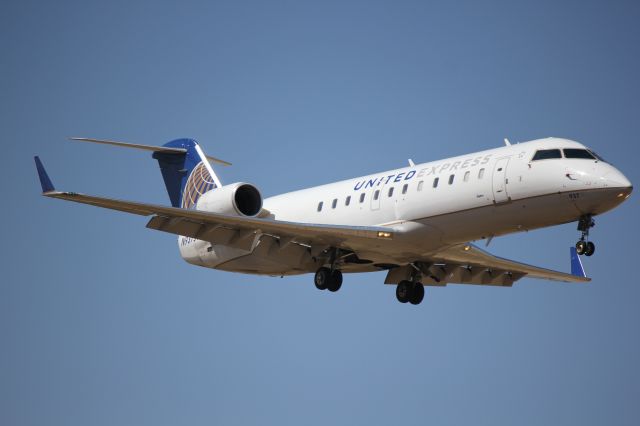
(198, 183)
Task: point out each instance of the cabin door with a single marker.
(500, 194)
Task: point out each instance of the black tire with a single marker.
(591, 248)
(403, 291)
(417, 294)
(335, 281)
(581, 247)
(322, 278)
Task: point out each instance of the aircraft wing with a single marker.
(198, 224)
(468, 264)
(236, 231)
(472, 255)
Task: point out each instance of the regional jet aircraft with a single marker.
(417, 222)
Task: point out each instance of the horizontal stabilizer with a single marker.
(163, 149)
(133, 145)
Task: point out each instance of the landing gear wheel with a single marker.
(417, 294)
(335, 281)
(403, 291)
(591, 248)
(583, 246)
(322, 278)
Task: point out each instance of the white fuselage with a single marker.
(439, 203)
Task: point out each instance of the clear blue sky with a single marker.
(102, 323)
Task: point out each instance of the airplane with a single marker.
(417, 223)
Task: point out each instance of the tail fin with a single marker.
(186, 175)
(185, 168)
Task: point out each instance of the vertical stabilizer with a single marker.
(187, 175)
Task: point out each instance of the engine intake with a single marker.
(240, 199)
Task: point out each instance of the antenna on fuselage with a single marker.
(506, 142)
(411, 163)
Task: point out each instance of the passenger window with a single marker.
(320, 206)
(546, 154)
(451, 179)
(481, 174)
(391, 191)
(404, 188)
(435, 182)
(362, 197)
(335, 203)
(376, 194)
(578, 153)
(347, 201)
(466, 176)
(420, 184)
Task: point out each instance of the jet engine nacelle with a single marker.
(237, 199)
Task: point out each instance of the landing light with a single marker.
(621, 195)
(467, 248)
(382, 234)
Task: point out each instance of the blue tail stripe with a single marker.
(172, 167)
(45, 182)
(176, 169)
(576, 263)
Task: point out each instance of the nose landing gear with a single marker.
(584, 246)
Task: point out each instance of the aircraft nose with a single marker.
(615, 179)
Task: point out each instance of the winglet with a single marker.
(45, 182)
(576, 264)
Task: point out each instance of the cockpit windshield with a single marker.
(546, 154)
(578, 153)
(570, 153)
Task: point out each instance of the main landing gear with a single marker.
(330, 278)
(326, 279)
(584, 246)
(408, 291)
